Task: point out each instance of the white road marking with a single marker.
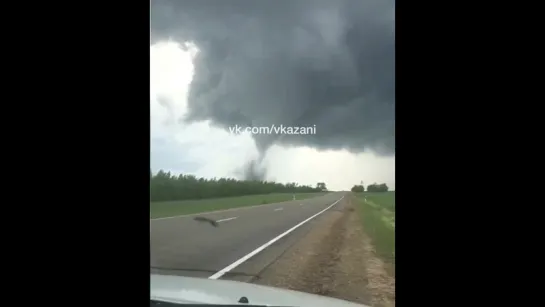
(170, 217)
(278, 209)
(233, 265)
(228, 219)
(300, 204)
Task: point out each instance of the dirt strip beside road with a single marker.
(334, 259)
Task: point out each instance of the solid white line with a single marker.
(228, 219)
(170, 217)
(278, 209)
(262, 247)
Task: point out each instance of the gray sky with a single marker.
(216, 64)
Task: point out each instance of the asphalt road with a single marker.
(183, 246)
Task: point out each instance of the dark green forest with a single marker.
(165, 186)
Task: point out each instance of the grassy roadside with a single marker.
(377, 211)
(172, 208)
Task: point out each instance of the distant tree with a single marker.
(358, 188)
(321, 186)
(165, 186)
(377, 187)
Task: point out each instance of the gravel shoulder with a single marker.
(335, 259)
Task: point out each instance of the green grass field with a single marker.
(173, 208)
(378, 216)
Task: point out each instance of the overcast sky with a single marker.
(216, 64)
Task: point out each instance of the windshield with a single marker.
(273, 149)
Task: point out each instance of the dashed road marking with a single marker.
(227, 219)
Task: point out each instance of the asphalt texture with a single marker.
(183, 246)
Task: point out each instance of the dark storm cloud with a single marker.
(296, 63)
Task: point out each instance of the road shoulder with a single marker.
(335, 259)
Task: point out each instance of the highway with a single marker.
(245, 242)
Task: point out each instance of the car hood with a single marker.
(192, 290)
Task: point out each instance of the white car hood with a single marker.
(178, 289)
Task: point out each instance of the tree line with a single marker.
(165, 186)
(375, 187)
